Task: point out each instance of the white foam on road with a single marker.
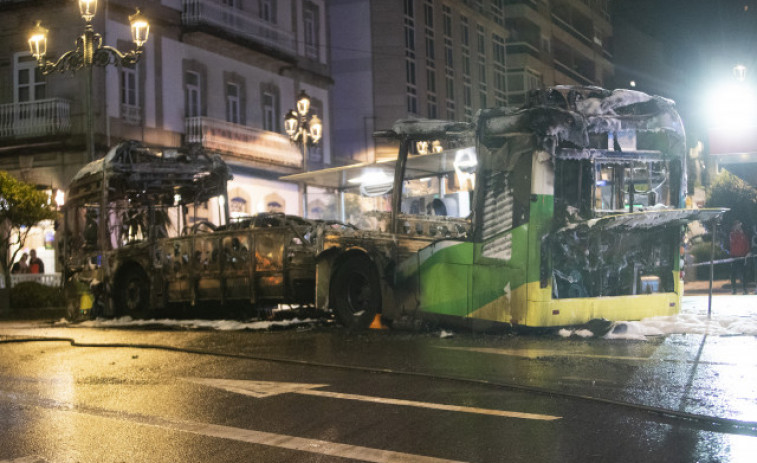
(730, 316)
(218, 325)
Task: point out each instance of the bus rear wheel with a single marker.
(356, 292)
(133, 294)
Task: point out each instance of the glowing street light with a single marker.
(306, 132)
(739, 72)
(732, 106)
(89, 52)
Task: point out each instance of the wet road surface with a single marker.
(326, 394)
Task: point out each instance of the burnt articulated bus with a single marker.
(137, 239)
(563, 211)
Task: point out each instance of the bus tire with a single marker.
(133, 293)
(356, 292)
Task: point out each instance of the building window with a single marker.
(233, 103)
(498, 11)
(410, 81)
(228, 14)
(481, 39)
(545, 44)
(130, 98)
(450, 86)
(466, 63)
(270, 111)
(431, 95)
(447, 21)
(500, 81)
(193, 94)
(431, 106)
(410, 72)
(428, 13)
(311, 29)
(29, 83)
(464, 31)
(267, 10)
(468, 101)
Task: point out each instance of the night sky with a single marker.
(704, 39)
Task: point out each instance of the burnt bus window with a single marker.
(573, 189)
(632, 186)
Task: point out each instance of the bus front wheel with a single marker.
(356, 292)
(133, 293)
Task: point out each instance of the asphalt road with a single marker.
(324, 394)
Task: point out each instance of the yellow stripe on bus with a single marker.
(533, 306)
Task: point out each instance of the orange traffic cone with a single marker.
(376, 323)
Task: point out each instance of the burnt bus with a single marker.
(136, 240)
(563, 211)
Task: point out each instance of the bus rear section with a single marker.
(578, 212)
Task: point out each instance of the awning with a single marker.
(346, 177)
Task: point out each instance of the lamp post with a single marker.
(306, 132)
(89, 52)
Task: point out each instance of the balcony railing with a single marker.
(35, 118)
(572, 30)
(131, 114)
(572, 73)
(515, 48)
(47, 279)
(248, 142)
(237, 22)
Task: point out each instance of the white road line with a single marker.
(537, 353)
(282, 441)
(261, 389)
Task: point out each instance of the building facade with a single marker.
(445, 59)
(222, 73)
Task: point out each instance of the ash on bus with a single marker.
(139, 237)
(557, 213)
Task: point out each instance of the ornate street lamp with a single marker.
(89, 52)
(306, 132)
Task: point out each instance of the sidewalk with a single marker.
(719, 287)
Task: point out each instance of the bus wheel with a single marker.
(356, 292)
(133, 293)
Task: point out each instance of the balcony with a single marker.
(238, 23)
(35, 119)
(515, 48)
(242, 141)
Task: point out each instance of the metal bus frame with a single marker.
(129, 265)
(563, 228)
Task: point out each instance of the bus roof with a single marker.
(150, 176)
(565, 119)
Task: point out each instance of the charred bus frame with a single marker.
(575, 215)
(149, 253)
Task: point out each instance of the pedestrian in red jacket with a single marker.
(739, 248)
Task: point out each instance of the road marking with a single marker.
(283, 441)
(261, 389)
(537, 353)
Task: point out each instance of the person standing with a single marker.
(21, 266)
(739, 249)
(35, 263)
